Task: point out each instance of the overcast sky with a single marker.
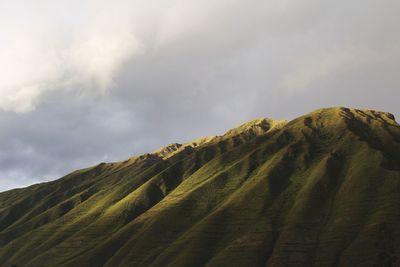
(83, 82)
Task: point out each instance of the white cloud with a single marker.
(40, 51)
(82, 45)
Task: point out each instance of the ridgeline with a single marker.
(320, 190)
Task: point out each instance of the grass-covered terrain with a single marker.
(320, 190)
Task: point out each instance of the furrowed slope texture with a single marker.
(320, 190)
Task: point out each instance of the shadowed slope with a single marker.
(321, 190)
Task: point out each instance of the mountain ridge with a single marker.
(320, 190)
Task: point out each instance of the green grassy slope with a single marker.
(320, 190)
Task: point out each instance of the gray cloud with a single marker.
(93, 81)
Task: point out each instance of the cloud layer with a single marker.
(89, 81)
(61, 46)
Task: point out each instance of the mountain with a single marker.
(320, 190)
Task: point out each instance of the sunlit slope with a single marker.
(321, 190)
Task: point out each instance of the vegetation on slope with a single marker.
(320, 190)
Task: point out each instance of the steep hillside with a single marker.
(320, 190)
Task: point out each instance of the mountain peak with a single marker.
(367, 115)
(256, 127)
